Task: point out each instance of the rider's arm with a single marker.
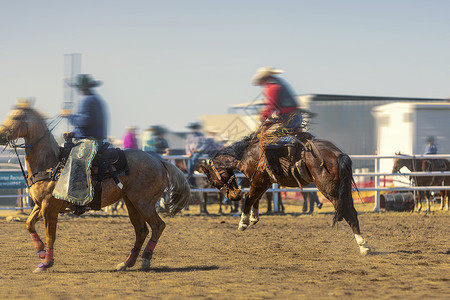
(85, 113)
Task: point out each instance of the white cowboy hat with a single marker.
(263, 73)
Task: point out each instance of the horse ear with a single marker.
(25, 102)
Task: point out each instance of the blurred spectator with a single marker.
(430, 147)
(195, 145)
(147, 137)
(312, 199)
(212, 145)
(130, 141)
(158, 142)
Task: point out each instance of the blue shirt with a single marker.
(430, 149)
(195, 142)
(90, 119)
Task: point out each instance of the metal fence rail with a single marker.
(376, 175)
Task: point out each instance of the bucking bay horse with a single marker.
(326, 165)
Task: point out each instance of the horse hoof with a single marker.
(253, 221)
(39, 270)
(145, 266)
(41, 254)
(242, 227)
(42, 267)
(121, 267)
(364, 250)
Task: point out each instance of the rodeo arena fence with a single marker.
(12, 179)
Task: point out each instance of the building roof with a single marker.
(333, 97)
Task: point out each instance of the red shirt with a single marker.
(272, 91)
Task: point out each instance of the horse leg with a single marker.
(31, 227)
(428, 195)
(419, 201)
(157, 225)
(269, 202)
(141, 231)
(203, 199)
(257, 189)
(351, 216)
(148, 212)
(220, 199)
(254, 213)
(50, 210)
(446, 199)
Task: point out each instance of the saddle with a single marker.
(82, 168)
(284, 156)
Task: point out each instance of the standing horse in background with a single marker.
(327, 167)
(417, 165)
(148, 177)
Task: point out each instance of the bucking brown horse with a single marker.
(326, 165)
(149, 176)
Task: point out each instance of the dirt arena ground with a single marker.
(291, 256)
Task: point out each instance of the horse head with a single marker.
(399, 163)
(17, 124)
(222, 179)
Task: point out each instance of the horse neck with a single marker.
(250, 160)
(227, 162)
(43, 154)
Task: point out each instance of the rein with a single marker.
(30, 146)
(219, 176)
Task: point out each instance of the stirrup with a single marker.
(78, 210)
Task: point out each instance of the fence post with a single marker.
(377, 184)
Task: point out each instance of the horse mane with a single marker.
(41, 118)
(238, 149)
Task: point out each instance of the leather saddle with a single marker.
(80, 172)
(285, 157)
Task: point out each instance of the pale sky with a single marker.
(169, 62)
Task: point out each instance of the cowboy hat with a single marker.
(157, 129)
(85, 82)
(264, 72)
(194, 125)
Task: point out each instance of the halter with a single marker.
(30, 146)
(226, 184)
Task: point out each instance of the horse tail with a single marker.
(177, 188)
(345, 199)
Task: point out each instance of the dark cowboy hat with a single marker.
(85, 82)
(157, 129)
(194, 125)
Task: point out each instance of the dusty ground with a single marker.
(284, 256)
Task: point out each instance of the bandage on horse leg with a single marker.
(132, 257)
(38, 244)
(148, 251)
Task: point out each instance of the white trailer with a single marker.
(405, 127)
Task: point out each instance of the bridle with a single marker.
(225, 183)
(12, 142)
